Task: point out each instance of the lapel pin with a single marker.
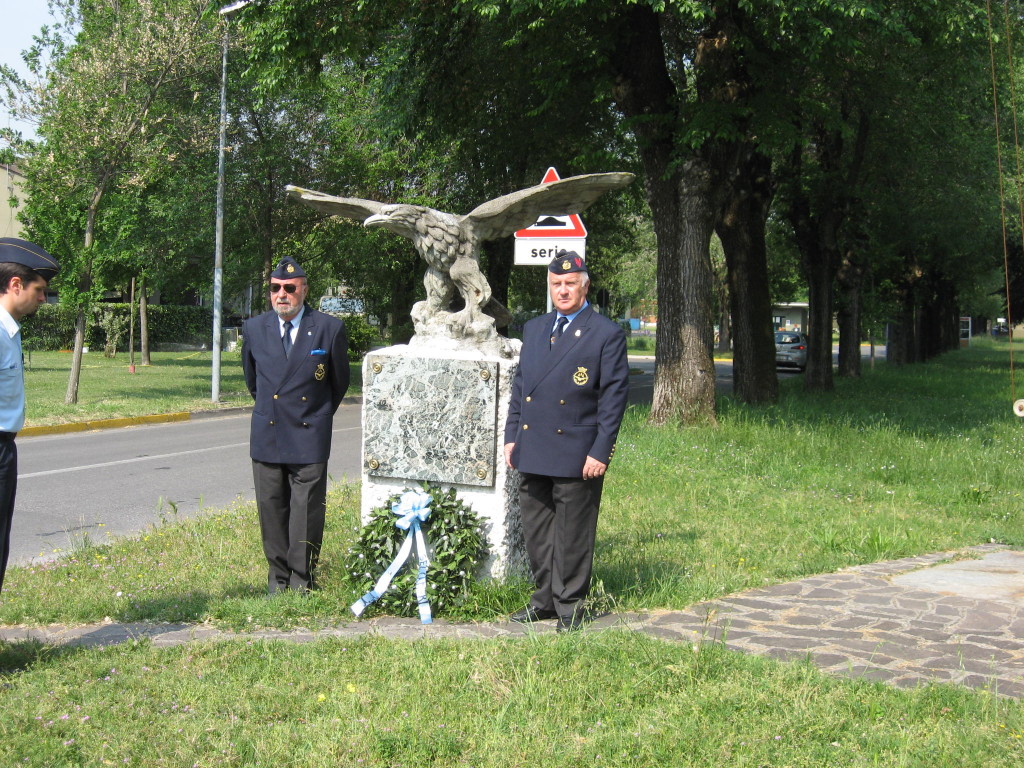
(578, 332)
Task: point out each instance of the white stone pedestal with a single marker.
(439, 415)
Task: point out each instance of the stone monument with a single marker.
(435, 409)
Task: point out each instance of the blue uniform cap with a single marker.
(287, 268)
(566, 262)
(16, 251)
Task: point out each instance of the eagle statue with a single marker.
(450, 245)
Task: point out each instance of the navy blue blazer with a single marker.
(296, 396)
(568, 400)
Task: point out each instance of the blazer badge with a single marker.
(580, 377)
(321, 371)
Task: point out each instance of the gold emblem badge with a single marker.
(321, 371)
(566, 264)
(290, 268)
(580, 377)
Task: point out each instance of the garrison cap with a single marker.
(16, 251)
(287, 268)
(566, 262)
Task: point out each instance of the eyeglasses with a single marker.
(288, 287)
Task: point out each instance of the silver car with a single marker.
(791, 349)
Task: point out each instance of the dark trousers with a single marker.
(8, 485)
(292, 504)
(559, 525)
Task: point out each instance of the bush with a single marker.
(53, 326)
(361, 336)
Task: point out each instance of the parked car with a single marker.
(791, 349)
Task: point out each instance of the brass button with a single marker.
(271, 423)
(559, 431)
(303, 399)
(373, 464)
(481, 473)
(377, 368)
(529, 399)
(485, 375)
(561, 402)
(305, 424)
(525, 427)
(275, 397)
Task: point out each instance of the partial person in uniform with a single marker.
(568, 398)
(295, 361)
(25, 271)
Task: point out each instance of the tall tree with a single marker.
(101, 124)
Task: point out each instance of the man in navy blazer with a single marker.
(568, 398)
(295, 361)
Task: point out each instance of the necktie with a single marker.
(559, 327)
(286, 340)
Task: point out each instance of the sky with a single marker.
(22, 19)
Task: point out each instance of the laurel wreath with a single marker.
(457, 544)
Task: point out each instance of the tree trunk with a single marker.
(820, 275)
(851, 308)
(684, 369)
(71, 395)
(144, 325)
(85, 283)
(678, 195)
(742, 232)
(901, 347)
(724, 320)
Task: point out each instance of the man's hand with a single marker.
(593, 468)
(508, 454)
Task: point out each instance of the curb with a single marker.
(157, 418)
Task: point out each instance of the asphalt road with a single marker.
(118, 481)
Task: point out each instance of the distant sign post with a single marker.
(540, 243)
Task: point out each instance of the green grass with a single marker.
(640, 344)
(902, 462)
(175, 382)
(613, 699)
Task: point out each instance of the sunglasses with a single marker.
(288, 287)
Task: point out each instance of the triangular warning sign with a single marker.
(570, 225)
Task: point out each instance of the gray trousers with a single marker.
(560, 525)
(292, 504)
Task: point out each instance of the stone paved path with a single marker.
(904, 622)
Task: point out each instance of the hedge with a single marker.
(53, 326)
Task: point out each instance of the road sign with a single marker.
(540, 243)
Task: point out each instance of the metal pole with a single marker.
(218, 251)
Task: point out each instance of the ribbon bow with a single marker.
(412, 508)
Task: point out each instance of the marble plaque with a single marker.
(428, 418)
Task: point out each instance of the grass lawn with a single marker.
(904, 461)
(175, 382)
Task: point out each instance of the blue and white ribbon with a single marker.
(412, 508)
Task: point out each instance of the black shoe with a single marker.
(529, 614)
(573, 623)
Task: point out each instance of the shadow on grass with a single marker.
(21, 655)
(192, 606)
(645, 582)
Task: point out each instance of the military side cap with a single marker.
(566, 262)
(287, 268)
(16, 251)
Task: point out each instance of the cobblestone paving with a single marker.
(859, 622)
